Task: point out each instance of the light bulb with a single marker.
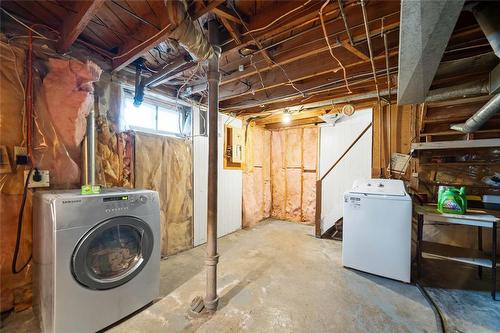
(286, 118)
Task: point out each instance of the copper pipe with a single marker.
(368, 39)
(211, 299)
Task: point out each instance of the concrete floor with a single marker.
(277, 277)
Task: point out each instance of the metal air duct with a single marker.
(487, 14)
(480, 117)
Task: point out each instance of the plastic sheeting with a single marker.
(164, 164)
(62, 104)
(11, 185)
(114, 157)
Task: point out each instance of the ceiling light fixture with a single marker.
(287, 118)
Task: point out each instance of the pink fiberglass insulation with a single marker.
(64, 100)
(293, 208)
(68, 92)
(294, 147)
(310, 146)
(308, 197)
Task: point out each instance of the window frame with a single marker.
(159, 103)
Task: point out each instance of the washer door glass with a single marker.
(112, 253)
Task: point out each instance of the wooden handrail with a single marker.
(346, 151)
(319, 182)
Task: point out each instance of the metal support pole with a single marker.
(211, 299)
(91, 148)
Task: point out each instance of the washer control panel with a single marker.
(123, 203)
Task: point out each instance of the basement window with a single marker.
(156, 116)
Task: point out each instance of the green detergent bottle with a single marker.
(452, 200)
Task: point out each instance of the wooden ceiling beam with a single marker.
(73, 26)
(299, 54)
(228, 14)
(294, 14)
(295, 122)
(334, 89)
(233, 31)
(206, 9)
(349, 47)
(300, 72)
(296, 101)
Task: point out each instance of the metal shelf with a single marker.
(461, 144)
(456, 253)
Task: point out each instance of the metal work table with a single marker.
(473, 218)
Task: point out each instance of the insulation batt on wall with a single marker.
(164, 164)
(293, 158)
(61, 103)
(13, 288)
(256, 176)
(64, 101)
(280, 175)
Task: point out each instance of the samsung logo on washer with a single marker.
(71, 201)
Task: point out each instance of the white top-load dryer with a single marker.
(377, 228)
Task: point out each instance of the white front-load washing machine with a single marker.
(96, 257)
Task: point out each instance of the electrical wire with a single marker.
(21, 23)
(259, 45)
(441, 323)
(277, 19)
(330, 47)
(178, 93)
(20, 228)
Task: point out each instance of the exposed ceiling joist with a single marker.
(206, 9)
(347, 45)
(228, 14)
(298, 55)
(295, 122)
(307, 75)
(74, 25)
(233, 31)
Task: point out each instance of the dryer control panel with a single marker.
(123, 203)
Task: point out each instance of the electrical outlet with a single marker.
(43, 182)
(20, 155)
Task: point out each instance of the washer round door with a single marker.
(112, 253)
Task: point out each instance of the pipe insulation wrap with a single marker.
(186, 33)
(480, 117)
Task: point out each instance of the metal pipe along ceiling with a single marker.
(480, 117)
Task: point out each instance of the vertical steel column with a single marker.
(211, 299)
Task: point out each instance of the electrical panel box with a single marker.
(238, 145)
(44, 180)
